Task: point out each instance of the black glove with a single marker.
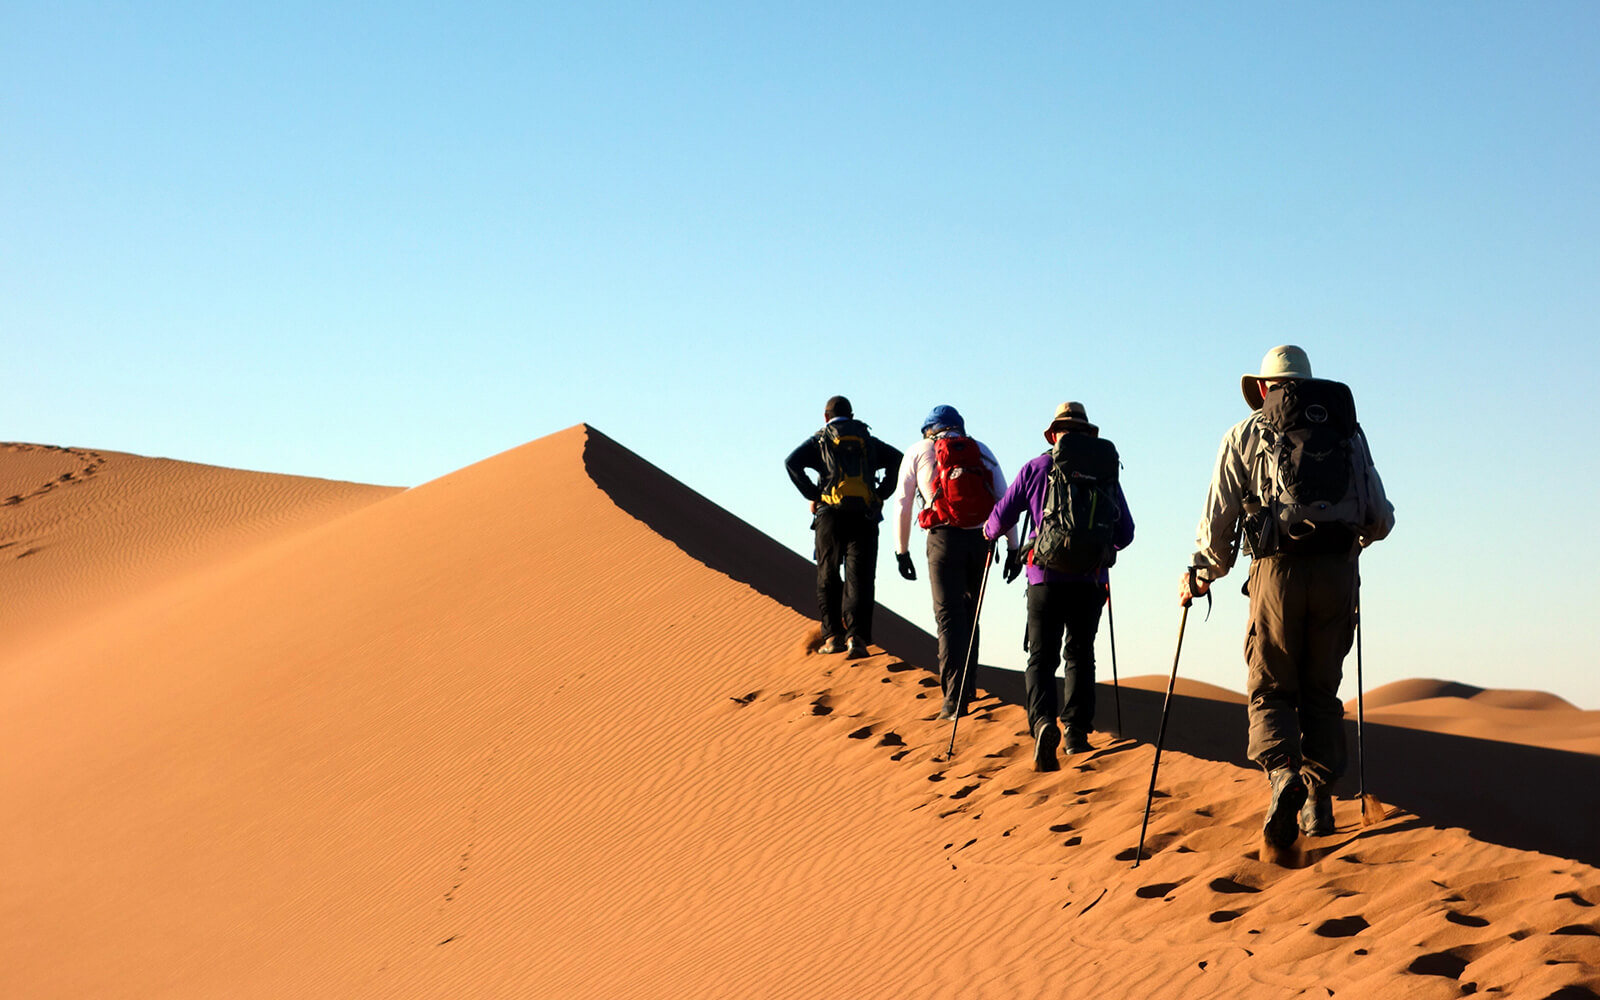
(906, 569)
(1014, 563)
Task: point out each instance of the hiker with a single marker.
(1294, 483)
(853, 479)
(958, 480)
(1080, 524)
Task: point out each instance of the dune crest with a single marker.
(499, 736)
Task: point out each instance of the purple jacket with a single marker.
(1027, 492)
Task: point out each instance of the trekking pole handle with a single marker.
(1194, 588)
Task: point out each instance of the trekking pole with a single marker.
(1116, 689)
(1372, 811)
(972, 644)
(1161, 734)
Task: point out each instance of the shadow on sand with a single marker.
(1519, 796)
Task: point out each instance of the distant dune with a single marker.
(1534, 718)
(539, 729)
(97, 527)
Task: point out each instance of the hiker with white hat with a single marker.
(1295, 486)
(1080, 520)
(957, 479)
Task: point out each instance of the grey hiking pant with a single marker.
(956, 558)
(1302, 622)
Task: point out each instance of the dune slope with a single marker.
(496, 736)
(82, 529)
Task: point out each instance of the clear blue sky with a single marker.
(382, 242)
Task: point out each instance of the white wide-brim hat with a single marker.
(1285, 361)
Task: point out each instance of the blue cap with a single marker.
(945, 417)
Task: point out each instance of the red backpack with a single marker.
(963, 488)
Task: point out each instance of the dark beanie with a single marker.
(838, 406)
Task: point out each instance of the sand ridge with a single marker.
(495, 736)
(81, 529)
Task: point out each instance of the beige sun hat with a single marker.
(1070, 417)
(1285, 361)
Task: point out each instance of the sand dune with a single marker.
(1532, 718)
(80, 529)
(498, 736)
(1428, 689)
(1185, 686)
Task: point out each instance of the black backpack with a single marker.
(1312, 481)
(1080, 506)
(847, 459)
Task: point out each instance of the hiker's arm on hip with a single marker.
(802, 458)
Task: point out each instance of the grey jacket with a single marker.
(1238, 474)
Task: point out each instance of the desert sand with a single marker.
(551, 726)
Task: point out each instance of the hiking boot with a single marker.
(1046, 739)
(1288, 795)
(832, 644)
(948, 711)
(1316, 816)
(1077, 741)
(858, 649)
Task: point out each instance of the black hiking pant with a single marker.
(1062, 621)
(956, 557)
(1302, 624)
(847, 541)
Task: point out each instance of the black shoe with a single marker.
(1044, 746)
(857, 650)
(1077, 741)
(1316, 816)
(832, 644)
(1288, 795)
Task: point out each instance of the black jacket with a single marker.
(885, 464)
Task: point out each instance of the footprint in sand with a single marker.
(1341, 927)
(862, 733)
(1448, 964)
(1230, 886)
(822, 706)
